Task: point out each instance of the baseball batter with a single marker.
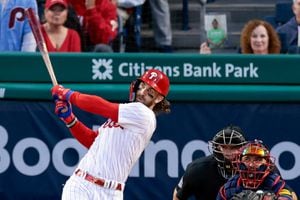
(119, 142)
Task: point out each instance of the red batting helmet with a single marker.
(153, 77)
(158, 80)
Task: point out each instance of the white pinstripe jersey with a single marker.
(119, 145)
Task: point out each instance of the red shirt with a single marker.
(100, 22)
(71, 43)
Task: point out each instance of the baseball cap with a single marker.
(50, 3)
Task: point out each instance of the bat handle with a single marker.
(54, 81)
(49, 66)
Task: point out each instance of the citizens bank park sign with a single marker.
(103, 69)
(181, 68)
(197, 69)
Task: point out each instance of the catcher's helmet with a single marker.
(253, 171)
(153, 77)
(230, 137)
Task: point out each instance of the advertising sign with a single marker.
(38, 153)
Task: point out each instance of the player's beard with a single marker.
(149, 104)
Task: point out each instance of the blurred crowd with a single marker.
(83, 25)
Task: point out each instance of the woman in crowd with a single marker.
(59, 38)
(259, 37)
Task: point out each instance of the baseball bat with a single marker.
(37, 33)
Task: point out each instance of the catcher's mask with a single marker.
(153, 77)
(254, 164)
(230, 138)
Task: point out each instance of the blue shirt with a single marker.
(13, 23)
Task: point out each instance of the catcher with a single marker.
(256, 175)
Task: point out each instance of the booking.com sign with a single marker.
(174, 157)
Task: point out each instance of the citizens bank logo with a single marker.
(102, 69)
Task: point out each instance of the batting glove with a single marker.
(63, 110)
(61, 93)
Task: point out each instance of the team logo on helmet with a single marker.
(153, 76)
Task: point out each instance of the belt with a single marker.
(98, 181)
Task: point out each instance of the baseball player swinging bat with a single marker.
(35, 26)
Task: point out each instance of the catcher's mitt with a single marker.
(251, 195)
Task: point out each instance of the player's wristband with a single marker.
(72, 123)
(68, 94)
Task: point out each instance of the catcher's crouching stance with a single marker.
(119, 142)
(255, 167)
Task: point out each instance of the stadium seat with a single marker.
(283, 13)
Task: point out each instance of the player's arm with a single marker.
(90, 103)
(82, 133)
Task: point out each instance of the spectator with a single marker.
(289, 31)
(99, 21)
(216, 36)
(257, 37)
(59, 38)
(129, 16)
(255, 166)
(162, 25)
(15, 32)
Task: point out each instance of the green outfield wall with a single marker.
(193, 77)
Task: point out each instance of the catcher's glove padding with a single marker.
(251, 195)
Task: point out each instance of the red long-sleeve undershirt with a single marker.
(83, 134)
(96, 105)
